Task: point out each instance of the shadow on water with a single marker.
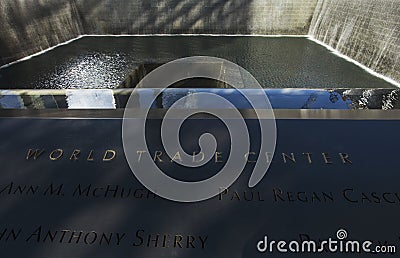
(104, 62)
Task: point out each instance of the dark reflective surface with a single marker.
(104, 62)
(384, 99)
(233, 222)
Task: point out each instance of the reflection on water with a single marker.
(91, 70)
(280, 98)
(104, 62)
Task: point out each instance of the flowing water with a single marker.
(365, 31)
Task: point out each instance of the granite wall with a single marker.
(367, 31)
(192, 16)
(29, 26)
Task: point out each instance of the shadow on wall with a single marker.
(28, 27)
(31, 26)
(143, 17)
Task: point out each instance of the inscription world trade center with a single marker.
(159, 156)
(245, 129)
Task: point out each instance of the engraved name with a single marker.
(140, 238)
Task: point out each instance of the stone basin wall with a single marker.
(367, 31)
(29, 26)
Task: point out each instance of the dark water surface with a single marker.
(104, 62)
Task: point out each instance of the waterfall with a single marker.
(366, 31)
(32, 26)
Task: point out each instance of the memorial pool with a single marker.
(105, 61)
